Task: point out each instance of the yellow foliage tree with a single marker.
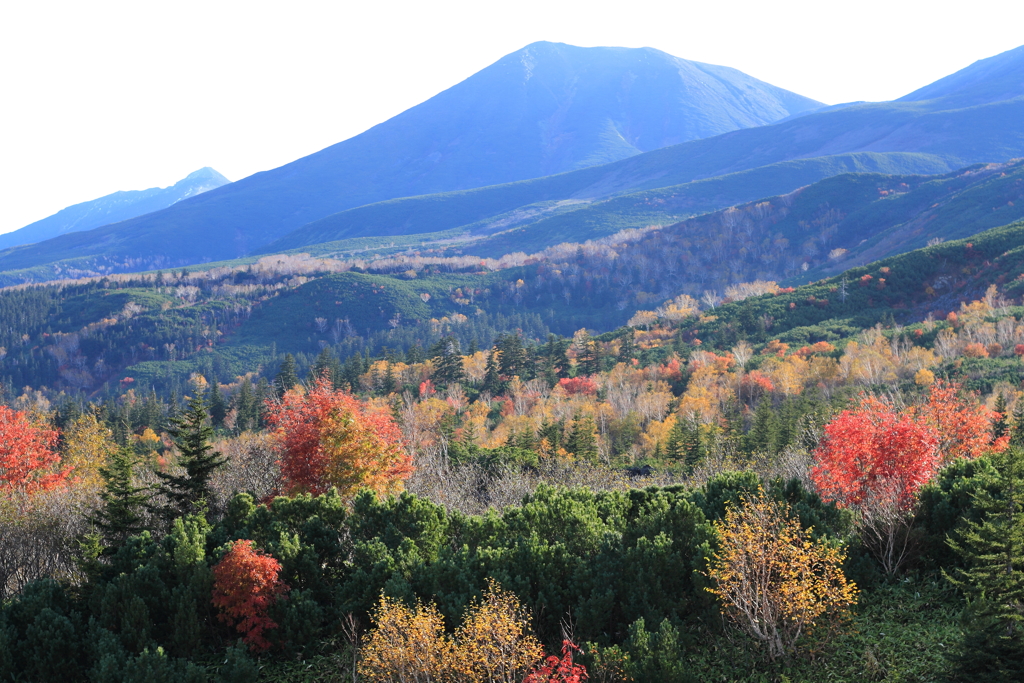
(87, 446)
(492, 645)
(774, 580)
(406, 645)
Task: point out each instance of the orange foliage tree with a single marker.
(28, 459)
(774, 580)
(963, 424)
(330, 438)
(874, 452)
(245, 586)
(874, 459)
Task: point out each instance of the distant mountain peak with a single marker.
(114, 208)
(993, 79)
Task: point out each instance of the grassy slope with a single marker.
(490, 209)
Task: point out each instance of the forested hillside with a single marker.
(595, 497)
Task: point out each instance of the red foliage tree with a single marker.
(559, 670)
(962, 423)
(245, 586)
(578, 385)
(330, 438)
(874, 453)
(28, 461)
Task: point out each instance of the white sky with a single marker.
(102, 96)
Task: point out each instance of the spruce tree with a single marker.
(581, 441)
(447, 357)
(514, 359)
(627, 352)
(1001, 424)
(1017, 429)
(264, 392)
(684, 442)
(122, 513)
(414, 354)
(993, 577)
(763, 431)
(325, 365)
(387, 383)
(552, 433)
(492, 378)
(245, 404)
(287, 376)
(190, 492)
(218, 406)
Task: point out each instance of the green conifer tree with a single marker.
(764, 429)
(447, 357)
(1017, 429)
(581, 441)
(627, 352)
(287, 376)
(1001, 424)
(190, 492)
(492, 378)
(218, 406)
(247, 411)
(993, 578)
(122, 513)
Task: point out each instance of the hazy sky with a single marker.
(102, 96)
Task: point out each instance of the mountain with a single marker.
(545, 109)
(498, 212)
(937, 135)
(987, 80)
(114, 208)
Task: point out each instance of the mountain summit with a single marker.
(113, 208)
(545, 109)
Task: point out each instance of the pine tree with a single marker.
(190, 492)
(414, 354)
(684, 443)
(627, 352)
(248, 410)
(1017, 430)
(325, 365)
(447, 357)
(581, 441)
(218, 406)
(763, 431)
(1000, 425)
(514, 359)
(993, 580)
(492, 378)
(287, 376)
(122, 512)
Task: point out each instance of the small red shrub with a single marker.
(245, 585)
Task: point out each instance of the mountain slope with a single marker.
(254, 212)
(114, 208)
(987, 80)
(545, 109)
(551, 220)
